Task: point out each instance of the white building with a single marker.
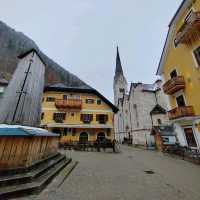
(140, 108)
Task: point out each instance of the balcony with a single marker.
(68, 104)
(190, 30)
(186, 111)
(173, 85)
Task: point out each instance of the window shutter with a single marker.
(97, 118)
(81, 117)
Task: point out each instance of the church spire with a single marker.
(118, 69)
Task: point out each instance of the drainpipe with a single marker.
(130, 117)
(151, 120)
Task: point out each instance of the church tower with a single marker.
(120, 83)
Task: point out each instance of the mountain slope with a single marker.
(13, 43)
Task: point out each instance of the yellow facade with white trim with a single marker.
(182, 59)
(180, 54)
(73, 118)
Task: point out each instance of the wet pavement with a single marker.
(132, 174)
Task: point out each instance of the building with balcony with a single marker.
(77, 113)
(180, 70)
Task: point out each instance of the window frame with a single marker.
(102, 118)
(42, 115)
(86, 118)
(183, 99)
(171, 73)
(50, 99)
(89, 101)
(99, 101)
(59, 119)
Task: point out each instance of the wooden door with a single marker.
(190, 137)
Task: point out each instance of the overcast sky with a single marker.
(82, 35)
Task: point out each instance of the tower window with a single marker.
(159, 121)
(121, 90)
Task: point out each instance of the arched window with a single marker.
(83, 138)
(101, 136)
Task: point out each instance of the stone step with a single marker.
(30, 175)
(33, 187)
(29, 168)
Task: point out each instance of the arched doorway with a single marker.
(101, 136)
(83, 138)
(57, 131)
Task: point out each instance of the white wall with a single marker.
(180, 135)
(162, 117)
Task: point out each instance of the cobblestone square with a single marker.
(122, 176)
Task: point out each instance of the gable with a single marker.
(158, 110)
(64, 88)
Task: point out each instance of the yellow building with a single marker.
(180, 70)
(78, 114)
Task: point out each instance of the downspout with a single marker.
(156, 97)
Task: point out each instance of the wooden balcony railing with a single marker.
(186, 111)
(75, 104)
(173, 85)
(190, 30)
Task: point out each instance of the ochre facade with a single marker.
(181, 58)
(83, 115)
(180, 70)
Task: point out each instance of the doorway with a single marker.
(189, 134)
(101, 137)
(180, 101)
(83, 138)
